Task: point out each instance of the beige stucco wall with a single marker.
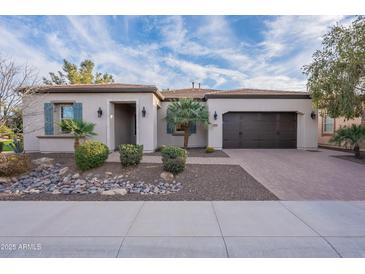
(306, 126)
(151, 130)
(34, 118)
(323, 138)
(199, 139)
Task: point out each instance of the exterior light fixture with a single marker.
(100, 112)
(313, 115)
(215, 115)
(144, 112)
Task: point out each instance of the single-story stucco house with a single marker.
(123, 113)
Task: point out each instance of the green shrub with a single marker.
(6, 132)
(13, 164)
(173, 159)
(17, 145)
(130, 154)
(209, 150)
(91, 154)
(160, 148)
(173, 152)
(174, 165)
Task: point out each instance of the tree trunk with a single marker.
(357, 151)
(186, 137)
(76, 143)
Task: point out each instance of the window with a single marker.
(67, 112)
(328, 125)
(178, 130)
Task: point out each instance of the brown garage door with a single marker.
(260, 130)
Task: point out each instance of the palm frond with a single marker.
(78, 128)
(349, 136)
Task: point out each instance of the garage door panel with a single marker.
(259, 130)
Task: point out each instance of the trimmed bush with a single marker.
(13, 164)
(160, 148)
(91, 154)
(130, 154)
(173, 152)
(175, 165)
(209, 150)
(173, 159)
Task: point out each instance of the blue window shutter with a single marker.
(78, 111)
(192, 128)
(169, 128)
(48, 119)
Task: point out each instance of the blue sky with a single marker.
(172, 51)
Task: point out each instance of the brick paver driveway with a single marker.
(302, 175)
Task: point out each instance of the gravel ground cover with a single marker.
(59, 179)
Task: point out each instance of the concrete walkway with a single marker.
(182, 229)
(114, 157)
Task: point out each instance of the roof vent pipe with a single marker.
(192, 84)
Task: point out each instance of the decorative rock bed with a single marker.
(56, 179)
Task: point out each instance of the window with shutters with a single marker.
(62, 111)
(178, 130)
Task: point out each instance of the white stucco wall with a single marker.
(34, 118)
(306, 126)
(199, 139)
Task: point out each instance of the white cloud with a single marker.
(13, 47)
(275, 62)
(286, 33)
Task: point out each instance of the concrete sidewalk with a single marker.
(182, 229)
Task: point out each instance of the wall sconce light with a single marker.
(100, 112)
(313, 115)
(144, 112)
(215, 115)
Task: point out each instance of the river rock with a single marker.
(43, 161)
(63, 171)
(167, 176)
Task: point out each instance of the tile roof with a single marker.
(98, 88)
(196, 93)
(247, 92)
(101, 87)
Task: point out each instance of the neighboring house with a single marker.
(327, 126)
(243, 118)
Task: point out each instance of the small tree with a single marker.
(336, 76)
(185, 112)
(73, 75)
(16, 82)
(78, 129)
(350, 136)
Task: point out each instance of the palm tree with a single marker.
(78, 129)
(184, 113)
(350, 136)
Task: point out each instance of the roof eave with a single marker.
(257, 96)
